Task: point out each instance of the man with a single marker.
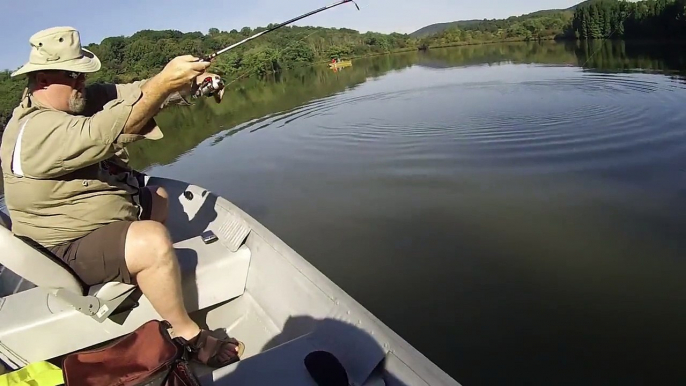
(68, 187)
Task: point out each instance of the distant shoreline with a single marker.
(558, 40)
(519, 40)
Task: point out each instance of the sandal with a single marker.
(215, 352)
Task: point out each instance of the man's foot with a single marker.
(188, 331)
(215, 352)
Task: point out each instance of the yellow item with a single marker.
(341, 64)
(35, 374)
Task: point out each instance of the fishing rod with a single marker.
(214, 55)
(208, 85)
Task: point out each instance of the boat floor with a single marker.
(275, 357)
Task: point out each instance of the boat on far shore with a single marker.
(341, 64)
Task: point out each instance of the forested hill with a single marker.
(440, 27)
(143, 54)
(593, 19)
(539, 25)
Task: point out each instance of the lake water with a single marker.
(517, 212)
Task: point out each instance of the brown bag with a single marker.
(147, 356)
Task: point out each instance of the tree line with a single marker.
(539, 26)
(651, 19)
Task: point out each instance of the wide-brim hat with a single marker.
(59, 48)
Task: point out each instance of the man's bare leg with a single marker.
(151, 260)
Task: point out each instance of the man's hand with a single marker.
(178, 74)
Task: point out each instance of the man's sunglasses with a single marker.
(73, 74)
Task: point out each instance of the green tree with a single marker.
(261, 60)
(648, 19)
(295, 54)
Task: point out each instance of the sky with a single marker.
(97, 19)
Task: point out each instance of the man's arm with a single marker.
(179, 97)
(99, 94)
(154, 92)
(175, 98)
(55, 143)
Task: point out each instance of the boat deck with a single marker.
(273, 356)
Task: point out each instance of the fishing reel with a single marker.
(210, 86)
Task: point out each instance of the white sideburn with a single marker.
(16, 157)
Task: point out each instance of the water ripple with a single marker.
(578, 118)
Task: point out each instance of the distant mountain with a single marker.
(573, 8)
(440, 27)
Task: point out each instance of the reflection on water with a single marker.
(252, 100)
(515, 211)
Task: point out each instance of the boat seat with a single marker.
(73, 316)
(43, 269)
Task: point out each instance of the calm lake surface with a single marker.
(517, 212)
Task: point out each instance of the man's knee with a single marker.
(148, 244)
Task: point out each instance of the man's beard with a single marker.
(77, 102)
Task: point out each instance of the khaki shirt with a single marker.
(54, 165)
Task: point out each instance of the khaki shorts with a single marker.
(99, 256)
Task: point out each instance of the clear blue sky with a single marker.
(97, 19)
